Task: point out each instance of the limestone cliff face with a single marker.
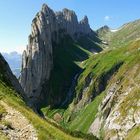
(84, 25)
(37, 60)
(68, 21)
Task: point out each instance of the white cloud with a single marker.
(107, 18)
(20, 49)
(9, 49)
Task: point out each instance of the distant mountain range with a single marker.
(14, 61)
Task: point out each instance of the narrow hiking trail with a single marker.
(21, 128)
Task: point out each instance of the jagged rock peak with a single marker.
(63, 20)
(85, 20)
(104, 28)
(102, 33)
(84, 26)
(37, 61)
(65, 11)
(69, 15)
(46, 9)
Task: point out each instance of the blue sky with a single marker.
(16, 16)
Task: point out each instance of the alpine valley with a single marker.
(75, 83)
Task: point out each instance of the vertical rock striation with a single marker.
(37, 60)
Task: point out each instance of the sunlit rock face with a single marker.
(37, 60)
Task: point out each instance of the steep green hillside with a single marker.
(82, 120)
(122, 36)
(101, 71)
(9, 99)
(126, 34)
(44, 128)
(99, 74)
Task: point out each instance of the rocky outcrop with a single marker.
(93, 86)
(84, 26)
(68, 21)
(119, 112)
(7, 76)
(37, 61)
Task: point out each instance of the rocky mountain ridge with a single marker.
(48, 29)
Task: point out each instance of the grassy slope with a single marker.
(86, 116)
(129, 55)
(2, 113)
(63, 71)
(45, 130)
(101, 63)
(127, 33)
(2, 136)
(134, 134)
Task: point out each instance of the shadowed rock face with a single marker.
(7, 76)
(37, 60)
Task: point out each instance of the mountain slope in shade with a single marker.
(8, 77)
(14, 60)
(18, 121)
